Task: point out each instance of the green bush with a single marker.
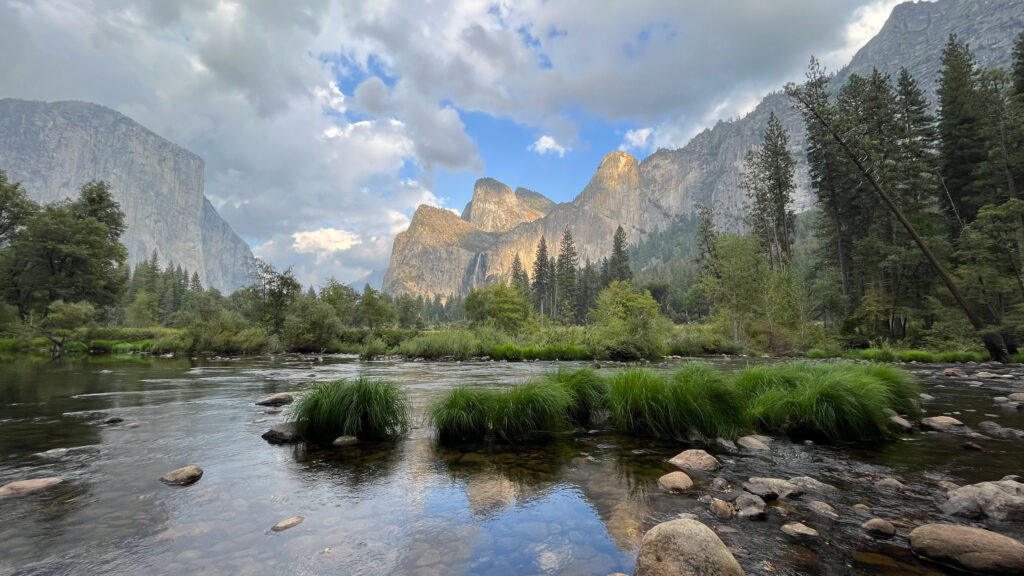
(366, 409)
(11, 345)
(627, 325)
(176, 342)
(1018, 358)
(373, 348)
(508, 352)
(524, 410)
(463, 413)
(703, 343)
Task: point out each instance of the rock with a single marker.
(969, 549)
(943, 424)
(183, 476)
(282, 434)
(684, 548)
(720, 484)
(990, 375)
(1002, 501)
(726, 443)
(953, 373)
(345, 441)
(675, 482)
(823, 508)
(279, 399)
(113, 420)
(1016, 397)
(799, 530)
(1001, 399)
(889, 484)
(287, 523)
(901, 423)
(686, 516)
(995, 430)
(972, 447)
(862, 507)
(761, 490)
(946, 485)
(750, 506)
(695, 460)
(732, 496)
(926, 397)
(22, 487)
(808, 484)
(752, 443)
(721, 509)
(879, 527)
(784, 488)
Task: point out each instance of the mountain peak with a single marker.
(495, 208)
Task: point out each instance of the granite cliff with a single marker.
(54, 148)
(706, 171)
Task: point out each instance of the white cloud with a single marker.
(637, 139)
(547, 145)
(324, 242)
(866, 22)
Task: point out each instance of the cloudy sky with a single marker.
(324, 123)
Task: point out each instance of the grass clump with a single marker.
(526, 409)
(962, 357)
(588, 392)
(364, 408)
(702, 400)
(464, 413)
(638, 403)
(818, 354)
(453, 344)
(922, 356)
(373, 348)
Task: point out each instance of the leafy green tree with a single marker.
(62, 319)
(311, 325)
(374, 311)
(626, 325)
(499, 305)
(343, 298)
(769, 181)
(144, 311)
(15, 208)
(567, 279)
(410, 312)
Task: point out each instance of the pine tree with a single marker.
(543, 282)
(961, 146)
(518, 277)
(195, 285)
(566, 279)
(618, 264)
(768, 179)
(590, 287)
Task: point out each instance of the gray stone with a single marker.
(808, 484)
(784, 488)
(279, 399)
(901, 423)
(183, 476)
(761, 490)
(675, 482)
(726, 443)
(969, 549)
(799, 530)
(943, 424)
(926, 397)
(823, 508)
(282, 434)
(750, 506)
(995, 430)
(879, 527)
(684, 548)
(889, 484)
(721, 509)
(720, 484)
(287, 523)
(22, 487)
(1016, 397)
(753, 444)
(345, 441)
(1002, 500)
(695, 460)
(113, 420)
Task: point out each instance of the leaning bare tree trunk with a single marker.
(992, 339)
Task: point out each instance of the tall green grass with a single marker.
(524, 410)
(364, 408)
(464, 413)
(638, 403)
(373, 348)
(704, 401)
(453, 344)
(517, 353)
(588, 393)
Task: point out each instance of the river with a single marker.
(575, 504)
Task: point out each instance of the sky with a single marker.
(325, 123)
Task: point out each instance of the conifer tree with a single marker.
(543, 282)
(566, 278)
(961, 146)
(520, 280)
(768, 179)
(618, 264)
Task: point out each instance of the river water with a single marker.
(576, 504)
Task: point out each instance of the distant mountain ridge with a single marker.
(54, 148)
(444, 254)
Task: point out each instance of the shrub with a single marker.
(173, 342)
(1018, 358)
(627, 325)
(366, 409)
(508, 352)
(526, 409)
(464, 413)
(373, 348)
(10, 345)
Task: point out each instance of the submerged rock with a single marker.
(183, 476)
(675, 482)
(345, 441)
(784, 488)
(995, 430)
(750, 506)
(1002, 501)
(763, 491)
(282, 434)
(22, 487)
(808, 484)
(287, 523)
(889, 484)
(720, 484)
(879, 527)
(1016, 397)
(823, 508)
(684, 548)
(752, 443)
(799, 530)
(279, 399)
(969, 549)
(695, 460)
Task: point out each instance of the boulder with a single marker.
(282, 434)
(721, 509)
(183, 476)
(726, 443)
(675, 482)
(695, 460)
(823, 508)
(943, 424)
(762, 490)
(798, 530)
(753, 444)
(279, 399)
(996, 431)
(784, 488)
(720, 484)
(345, 441)
(1016, 397)
(750, 506)
(879, 527)
(684, 548)
(808, 484)
(1002, 501)
(287, 523)
(22, 487)
(969, 549)
(901, 424)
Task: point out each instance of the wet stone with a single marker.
(972, 550)
(721, 509)
(675, 482)
(889, 484)
(720, 484)
(901, 424)
(753, 444)
(279, 399)
(799, 530)
(808, 484)
(784, 488)
(695, 460)
(345, 441)
(943, 424)
(879, 528)
(22, 487)
(287, 523)
(972, 447)
(765, 492)
(282, 434)
(113, 420)
(823, 508)
(183, 476)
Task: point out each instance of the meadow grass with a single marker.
(373, 348)
(517, 353)
(364, 408)
(463, 413)
(11, 345)
(819, 354)
(922, 356)
(455, 344)
(526, 409)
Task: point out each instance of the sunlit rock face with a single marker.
(646, 196)
(55, 148)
